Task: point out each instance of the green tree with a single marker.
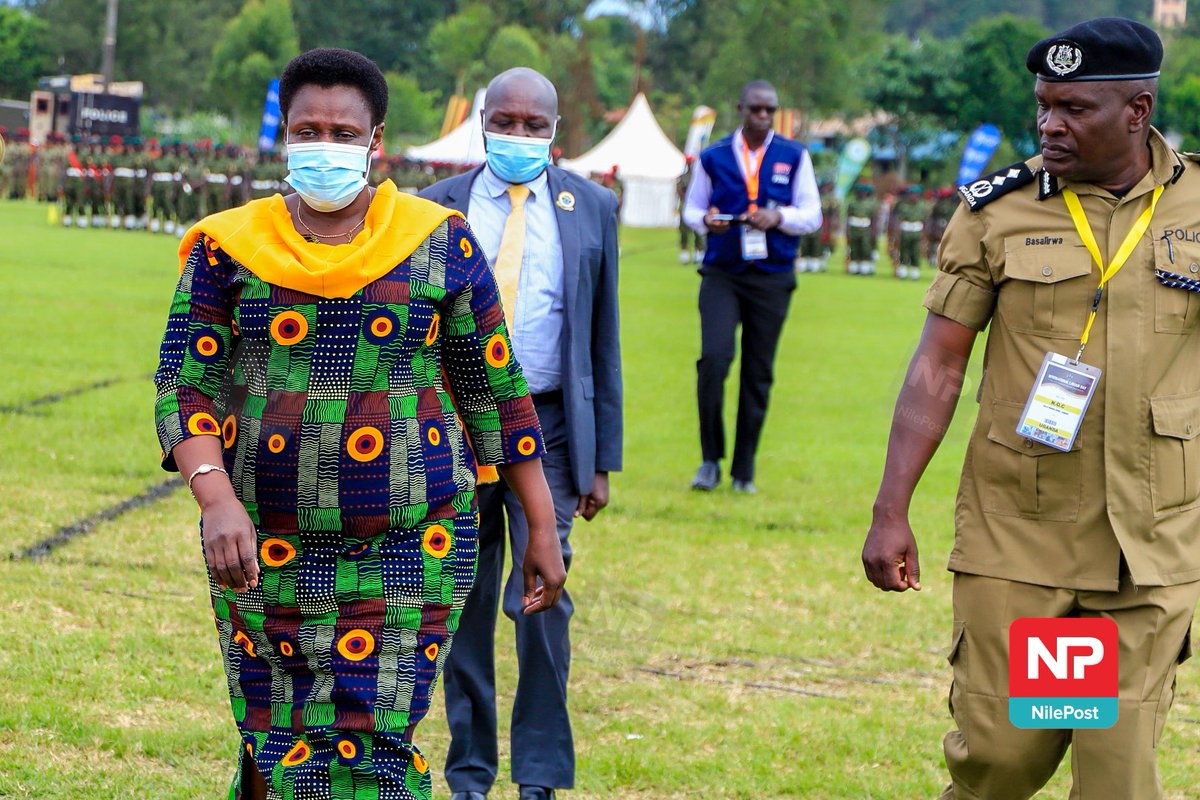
(1179, 90)
(996, 87)
(512, 46)
(23, 56)
(410, 110)
(166, 44)
(253, 48)
(456, 42)
(914, 82)
(390, 32)
(824, 40)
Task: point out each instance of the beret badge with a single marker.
(1064, 58)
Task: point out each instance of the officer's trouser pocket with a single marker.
(1175, 452)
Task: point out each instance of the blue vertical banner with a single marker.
(981, 146)
(270, 118)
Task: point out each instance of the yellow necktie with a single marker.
(512, 252)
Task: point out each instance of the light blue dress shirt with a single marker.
(537, 321)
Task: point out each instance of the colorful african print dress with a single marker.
(344, 422)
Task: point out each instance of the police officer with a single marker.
(907, 229)
(862, 230)
(939, 217)
(1110, 525)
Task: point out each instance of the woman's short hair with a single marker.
(333, 66)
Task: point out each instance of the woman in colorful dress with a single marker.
(325, 358)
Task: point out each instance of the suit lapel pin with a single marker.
(565, 201)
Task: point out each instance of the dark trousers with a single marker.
(758, 301)
(543, 750)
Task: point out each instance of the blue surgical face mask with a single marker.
(517, 159)
(328, 175)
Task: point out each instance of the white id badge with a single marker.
(754, 244)
(1059, 398)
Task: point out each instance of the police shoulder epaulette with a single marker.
(979, 193)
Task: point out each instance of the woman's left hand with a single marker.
(544, 563)
(544, 570)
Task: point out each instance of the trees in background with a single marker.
(22, 61)
(251, 50)
(931, 64)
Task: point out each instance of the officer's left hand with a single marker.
(764, 218)
(591, 503)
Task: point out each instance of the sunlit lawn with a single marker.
(725, 646)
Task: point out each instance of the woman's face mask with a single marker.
(328, 175)
(517, 159)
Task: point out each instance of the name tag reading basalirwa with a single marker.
(1059, 399)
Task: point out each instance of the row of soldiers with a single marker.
(914, 223)
(159, 186)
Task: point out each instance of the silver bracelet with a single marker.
(204, 469)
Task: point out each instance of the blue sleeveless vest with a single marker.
(776, 185)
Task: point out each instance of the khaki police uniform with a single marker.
(1110, 528)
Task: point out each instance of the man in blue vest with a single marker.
(754, 195)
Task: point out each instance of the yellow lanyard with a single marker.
(1123, 252)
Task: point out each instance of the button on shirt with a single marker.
(537, 325)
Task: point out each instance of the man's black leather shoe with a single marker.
(468, 796)
(707, 477)
(536, 793)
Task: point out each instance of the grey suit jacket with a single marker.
(591, 348)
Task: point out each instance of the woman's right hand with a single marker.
(230, 545)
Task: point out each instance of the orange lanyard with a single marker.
(749, 175)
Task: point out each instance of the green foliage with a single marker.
(1179, 90)
(817, 76)
(166, 44)
(952, 17)
(511, 46)
(253, 49)
(23, 54)
(914, 82)
(390, 32)
(410, 109)
(456, 42)
(996, 87)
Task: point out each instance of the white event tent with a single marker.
(463, 145)
(648, 166)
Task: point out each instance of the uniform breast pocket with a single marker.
(1176, 310)
(1022, 478)
(1175, 452)
(1050, 288)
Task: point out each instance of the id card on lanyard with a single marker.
(754, 241)
(1064, 386)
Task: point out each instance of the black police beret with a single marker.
(1102, 49)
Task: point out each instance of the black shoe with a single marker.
(536, 793)
(707, 477)
(744, 487)
(468, 796)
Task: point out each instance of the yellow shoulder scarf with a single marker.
(260, 235)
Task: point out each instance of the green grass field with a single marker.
(725, 646)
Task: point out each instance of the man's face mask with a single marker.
(517, 159)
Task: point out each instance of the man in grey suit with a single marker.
(551, 238)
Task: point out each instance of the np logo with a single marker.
(1064, 58)
(1062, 673)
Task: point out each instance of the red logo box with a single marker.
(1062, 657)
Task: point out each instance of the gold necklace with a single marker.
(316, 238)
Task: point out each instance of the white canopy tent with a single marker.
(463, 145)
(648, 166)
